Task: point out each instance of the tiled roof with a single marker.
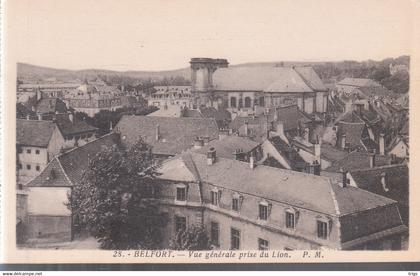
(22, 111)
(175, 134)
(268, 79)
(359, 82)
(228, 145)
(331, 153)
(379, 91)
(396, 180)
(272, 162)
(33, 132)
(71, 128)
(311, 78)
(301, 190)
(352, 126)
(69, 167)
(358, 160)
(50, 105)
(220, 114)
(289, 115)
(293, 157)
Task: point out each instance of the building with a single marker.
(348, 84)
(390, 181)
(91, 99)
(359, 160)
(249, 87)
(37, 142)
(394, 69)
(173, 95)
(247, 206)
(47, 215)
(167, 136)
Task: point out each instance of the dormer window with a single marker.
(215, 195)
(323, 227)
(263, 210)
(181, 193)
(236, 202)
(291, 218)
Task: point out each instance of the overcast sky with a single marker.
(163, 35)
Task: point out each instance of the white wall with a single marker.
(48, 201)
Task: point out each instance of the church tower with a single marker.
(202, 70)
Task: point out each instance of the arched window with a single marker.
(247, 102)
(261, 101)
(232, 102)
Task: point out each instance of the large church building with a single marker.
(250, 87)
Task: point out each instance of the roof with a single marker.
(68, 168)
(68, 127)
(50, 105)
(34, 133)
(293, 157)
(220, 114)
(379, 91)
(352, 126)
(22, 111)
(228, 145)
(311, 78)
(289, 115)
(331, 153)
(358, 160)
(268, 79)
(297, 189)
(175, 134)
(359, 82)
(167, 111)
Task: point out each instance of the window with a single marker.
(263, 211)
(28, 167)
(235, 238)
(181, 193)
(235, 204)
(180, 223)
(214, 233)
(214, 198)
(290, 220)
(20, 150)
(36, 151)
(20, 166)
(322, 229)
(247, 102)
(232, 102)
(38, 168)
(262, 244)
(28, 151)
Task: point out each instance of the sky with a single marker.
(164, 35)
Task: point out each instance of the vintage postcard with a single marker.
(210, 131)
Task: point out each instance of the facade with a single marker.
(179, 96)
(248, 88)
(293, 211)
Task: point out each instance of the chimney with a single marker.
(276, 116)
(71, 117)
(306, 134)
(348, 107)
(377, 103)
(252, 163)
(246, 128)
(317, 148)
(28, 117)
(39, 116)
(198, 143)
(343, 142)
(157, 133)
(381, 144)
(211, 156)
(38, 94)
(344, 179)
(383, 182)
(316, 167)
(110, 125)
(372, 160)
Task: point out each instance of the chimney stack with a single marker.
(343, 141)
(110, 125)
(381, 144)
(317, 148)
(39, 116)
(211, 156)
(316, 167)
(198, 143)
(157, 132)
(237, 154)
(38, 94)
(71, 117)
(372, 160)
(306, 135)
(246, 128)
(252, 163)
(383, 182)
(28, 117)
(344, 180)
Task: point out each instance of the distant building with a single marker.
(249, 88)
(179, 96)
(393, 69)
(167, 136)
(245, 206)
(351, 83)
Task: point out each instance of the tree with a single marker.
(191, 238)
(116, 199)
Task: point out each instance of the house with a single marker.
(249, 87)
(171, 95)
(359, 160)
(37, 142)
(348, 84)
(168, 136)
(245, 206)
(231, 147)
(390, 181)
(399, 147)
(48, 217)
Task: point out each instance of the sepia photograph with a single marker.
(166, 126)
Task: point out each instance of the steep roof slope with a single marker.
(34, 132)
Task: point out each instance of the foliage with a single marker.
(103, 119)
(192, 238)
(115, 202)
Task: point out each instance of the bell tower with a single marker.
(202, 70)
